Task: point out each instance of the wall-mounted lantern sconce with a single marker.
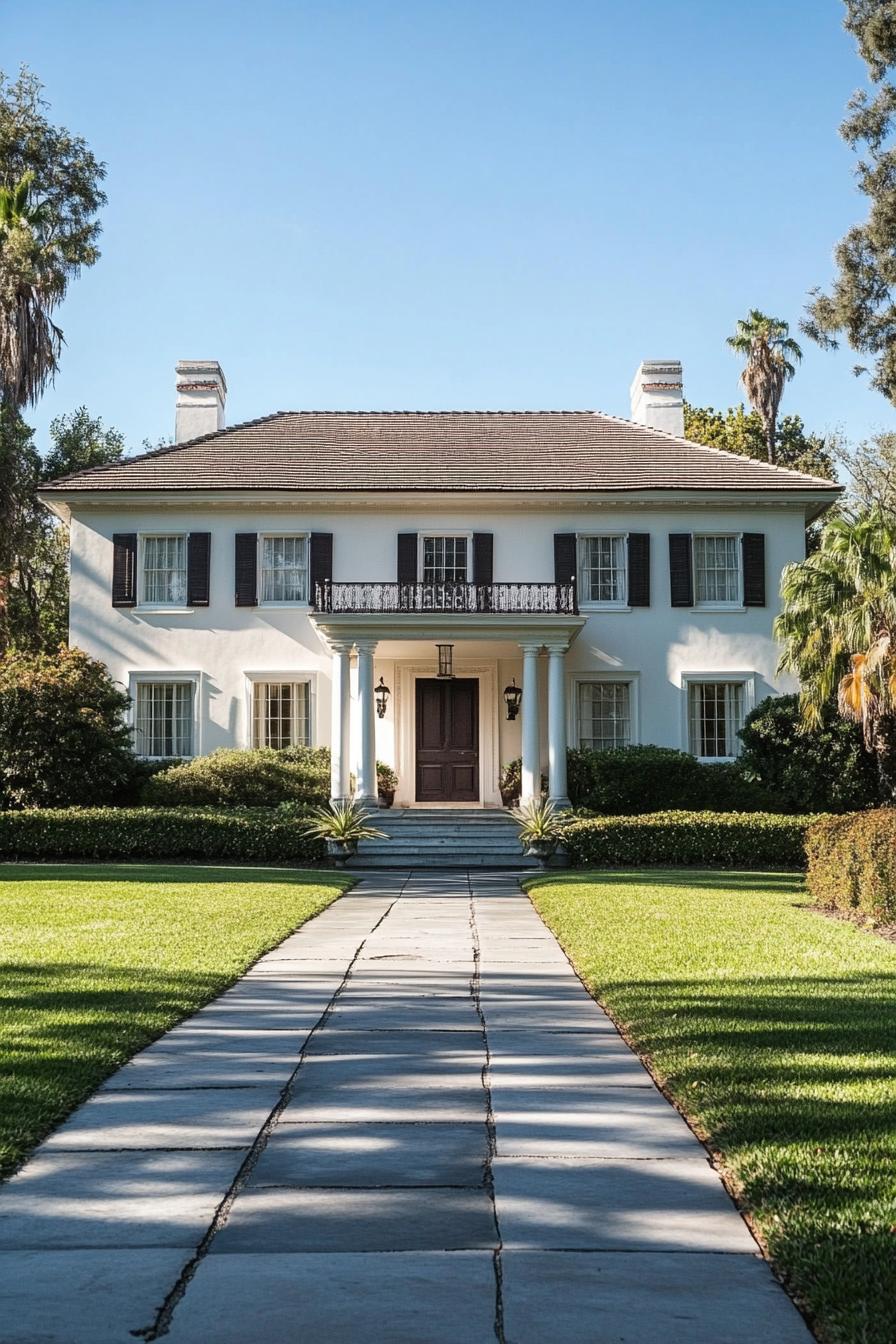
(381, 695)
(513, 696)
(446, 660)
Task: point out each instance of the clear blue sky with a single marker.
(446, 203)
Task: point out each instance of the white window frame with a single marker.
(270, 536)
(736, 604)
(633, 680)
(745, 679)
(587, 603)
(142, 603)
(251, 678)
(146, 677)
(454, 535)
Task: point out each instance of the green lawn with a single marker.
(774, 1029)
(98, 959)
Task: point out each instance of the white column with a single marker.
(557, 787)
(340, 730)
(531, 776)
(367, 789)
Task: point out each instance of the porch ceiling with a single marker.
(344, 627)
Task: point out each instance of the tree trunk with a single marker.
(770, 436)
(884, 747)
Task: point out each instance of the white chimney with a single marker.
(657, 396)
(201, 392)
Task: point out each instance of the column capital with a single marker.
(557, 646)
(366, 645)
(340, 646)
(531, 646)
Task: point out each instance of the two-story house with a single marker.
(444, 591)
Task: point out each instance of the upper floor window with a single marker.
(164, 571)
(715, 715)
(445, 559)
(717, 570)
(163, 718)
(605, 714)
(602, 569)
(284, 569)
(281, 714)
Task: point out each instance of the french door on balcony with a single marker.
(447, 741)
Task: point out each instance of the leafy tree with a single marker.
(838, 631)
(63, 735)
(871, 467)
(769, 350)
(820, 769)
(860, 305)
(740, 431)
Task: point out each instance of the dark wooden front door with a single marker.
(448, 741)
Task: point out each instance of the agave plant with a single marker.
(540, 822)
(345, 823)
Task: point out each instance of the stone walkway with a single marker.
(408, 1123)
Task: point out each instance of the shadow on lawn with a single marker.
(101, 871)
(719, 879)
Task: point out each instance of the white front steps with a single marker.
(443, 838)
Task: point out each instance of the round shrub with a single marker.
(63, 735)
(235, 778)
(825, 769)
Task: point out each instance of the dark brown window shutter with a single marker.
(564, 557)
(639, 569)
(754, 569)
(199, 549)
(124, 569)
(483, 557)
(321, 562)
(407, 557)
(681, 576)
(246, 568)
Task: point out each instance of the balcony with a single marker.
(492, 599)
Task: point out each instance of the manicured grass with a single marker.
(774, 1029)
(98, 959)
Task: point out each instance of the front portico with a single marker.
(468, 724)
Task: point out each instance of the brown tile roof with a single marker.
(439, 450)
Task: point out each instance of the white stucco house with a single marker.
(253, 585)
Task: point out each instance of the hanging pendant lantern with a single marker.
(381, 695)
(513, 696)
(446, 661)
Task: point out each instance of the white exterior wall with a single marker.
(221, 643)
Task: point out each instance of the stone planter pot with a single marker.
(341, 850)
(542, 850)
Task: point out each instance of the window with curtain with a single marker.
(717, 569)
(602, 565)
(284, 569)
(715, 714)
(282, 714)
(445, 560)
(165, 571)
(163, 718)
(604, 709)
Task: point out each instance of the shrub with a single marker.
(852, 863)
(234, 778)
(824, 769)
(63, 736)
(689, 839)
(247, 836)
(627, 781)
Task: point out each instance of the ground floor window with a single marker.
(281, 714)
(715, 714)
(605, 717)
(163, 718)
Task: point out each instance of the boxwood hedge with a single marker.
(689, 839)
(248, 835)
(852, 863)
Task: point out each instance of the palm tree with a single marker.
(33, 278)
(770, 351)
(838, 630)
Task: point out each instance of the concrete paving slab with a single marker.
(415, 1298)
(588, 1122)
(275, 1219)
(323, 1076)
(204, 1118)
(631, 1298)
(361, 1011)
(563, 1014)
(240, 1065)
(367, 1155)
(72, 1297)
(677, 1205)
(121, 1199)
(392, 1045)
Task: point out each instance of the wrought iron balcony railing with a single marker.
(543, 599)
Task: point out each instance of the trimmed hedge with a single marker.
(232, 777)
(243, 836)
(629, 781)
(689, 839)
(852, 863)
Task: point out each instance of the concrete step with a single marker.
(444, 860)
